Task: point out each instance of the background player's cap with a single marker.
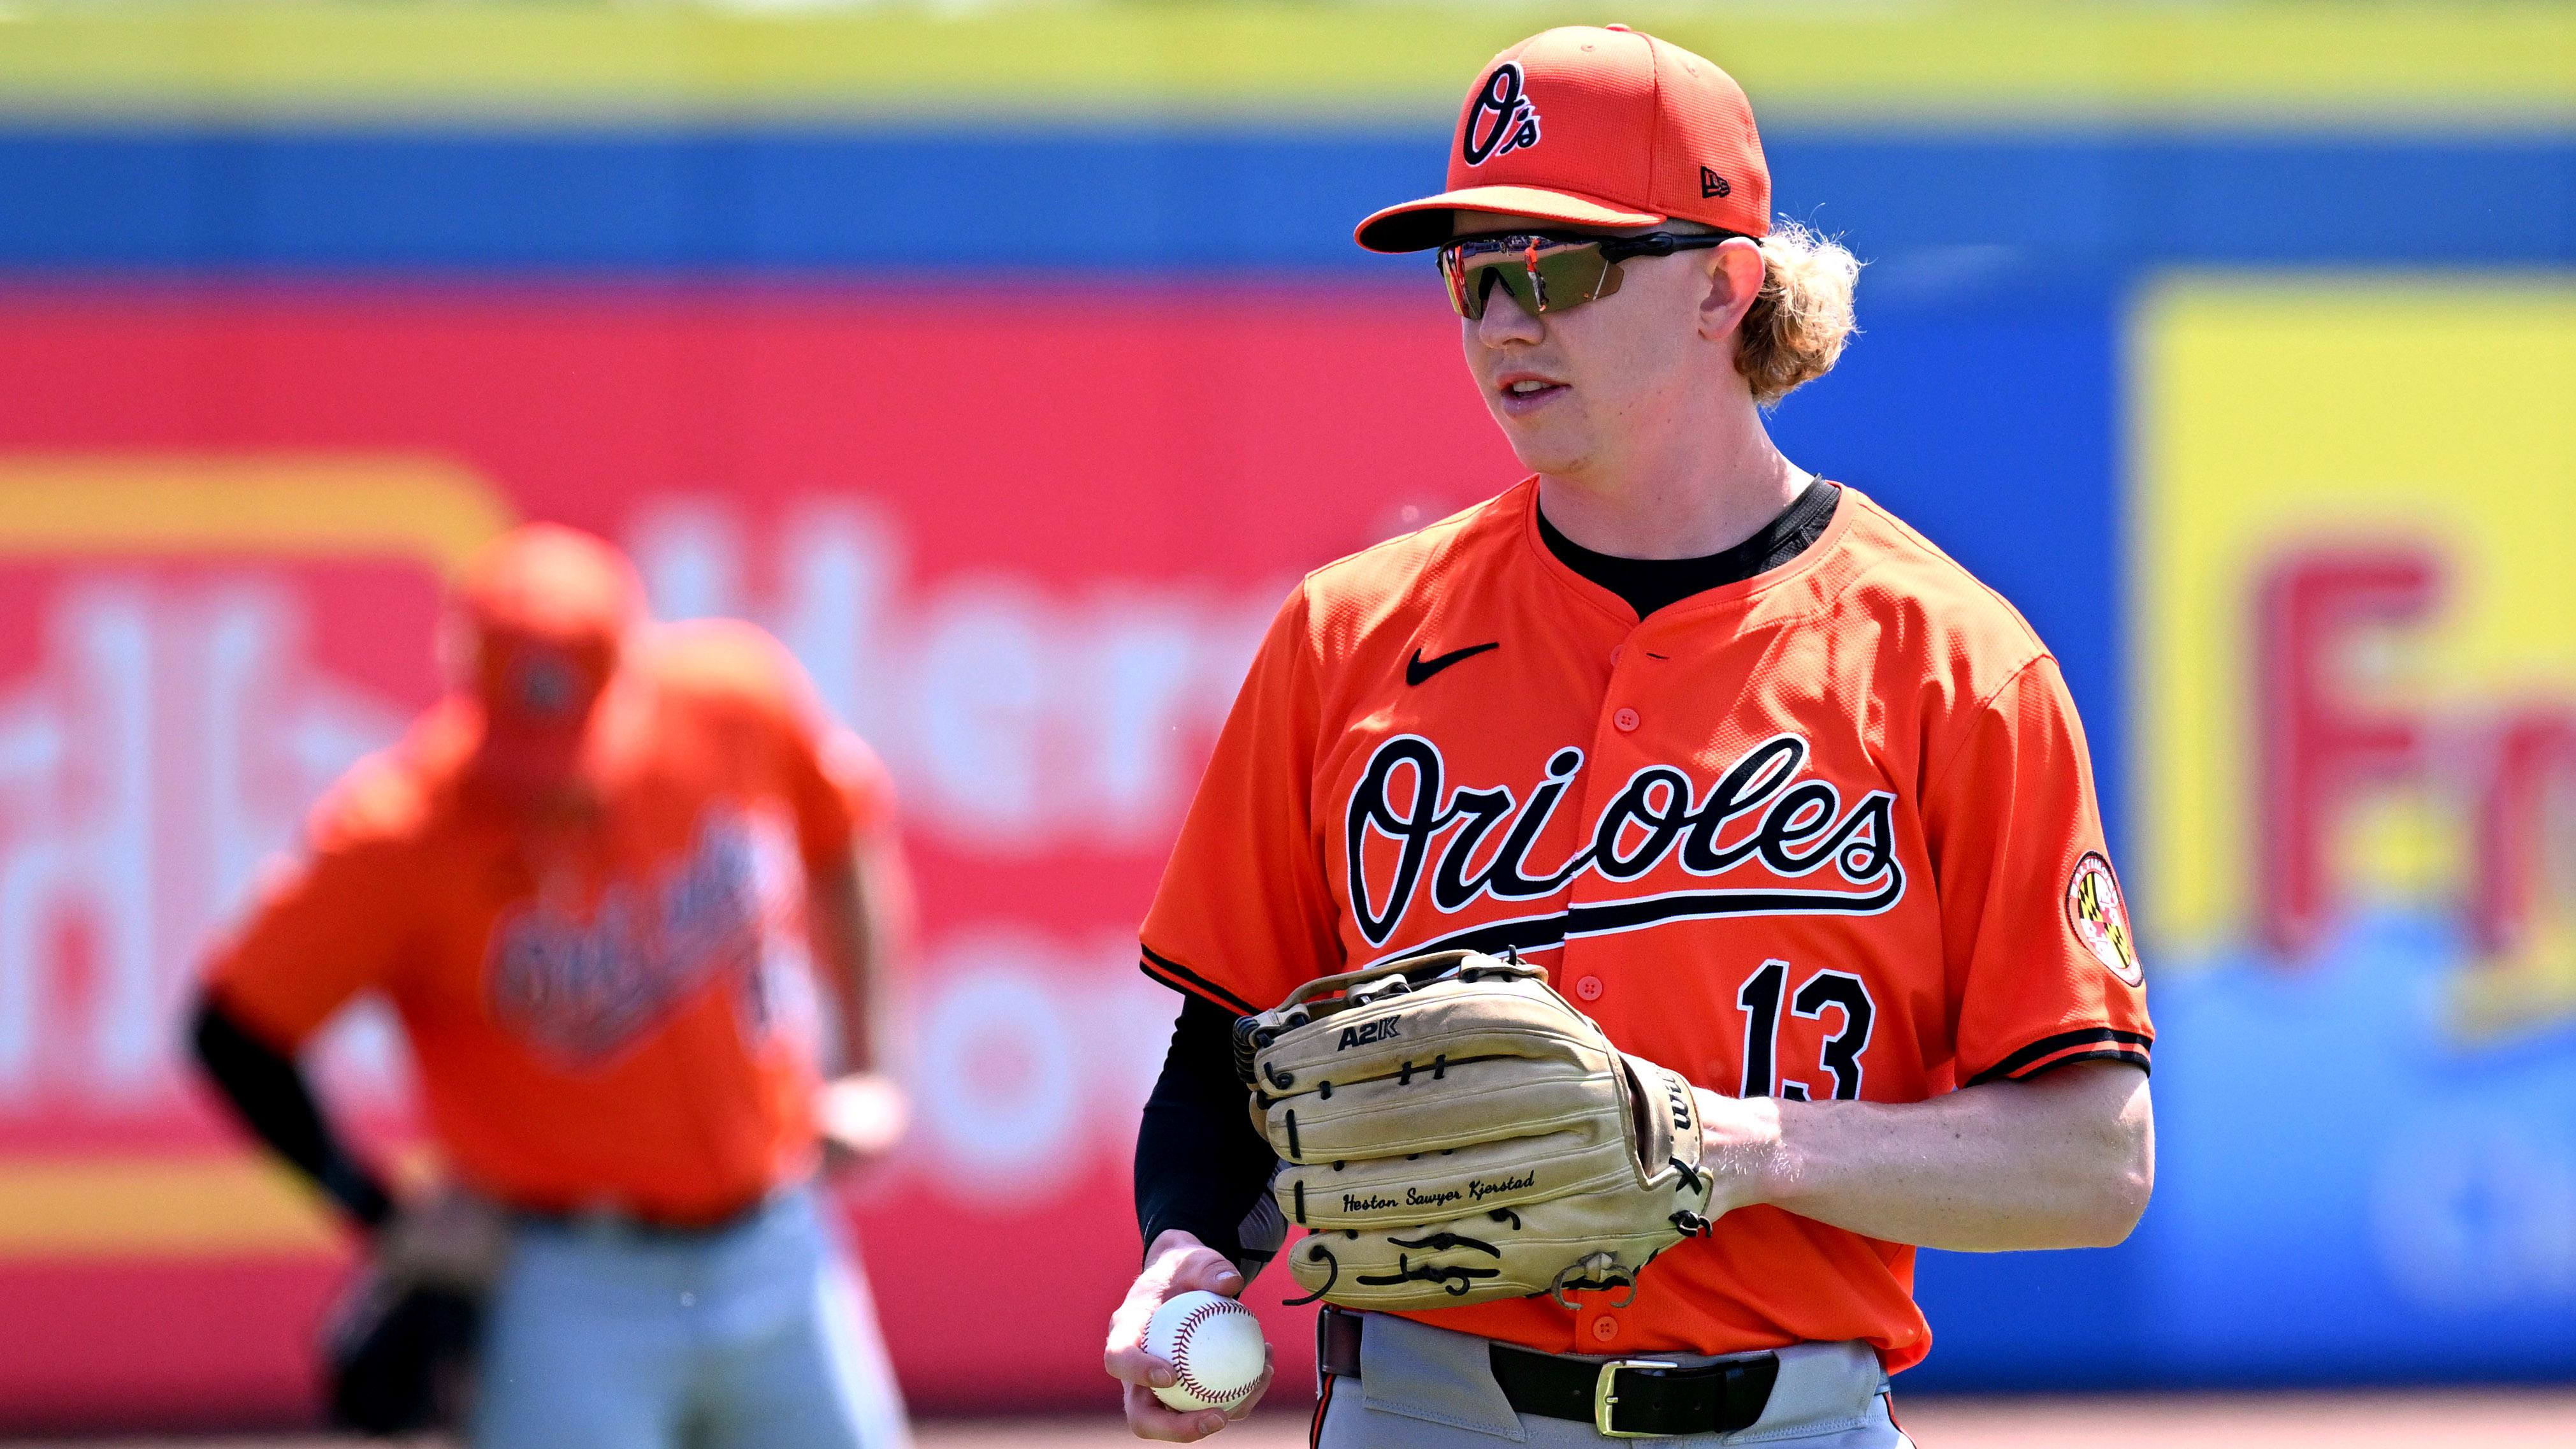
(546, 581)
(547, 610)
(1595, 126)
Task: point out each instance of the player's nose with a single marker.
(1504, 322)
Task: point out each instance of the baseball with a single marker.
(1213, 1344)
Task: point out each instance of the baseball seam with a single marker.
(1181, 1348)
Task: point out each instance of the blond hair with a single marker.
(1797, 326)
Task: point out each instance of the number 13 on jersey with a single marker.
(1823, 991)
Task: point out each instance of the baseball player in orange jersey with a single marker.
(1776, 792)
(588, 881)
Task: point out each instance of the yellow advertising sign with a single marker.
(300, 505)
(2355, 595)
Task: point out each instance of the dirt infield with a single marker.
(2489, 1419)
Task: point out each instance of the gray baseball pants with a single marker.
(1427, 1388)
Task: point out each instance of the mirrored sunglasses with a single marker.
(1544, 273)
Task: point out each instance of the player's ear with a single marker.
(1735, 273)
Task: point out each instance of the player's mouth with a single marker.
(1524, 392)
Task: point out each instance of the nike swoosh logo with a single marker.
(1418, 669)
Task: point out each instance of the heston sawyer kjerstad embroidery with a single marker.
(1477, 1190)
(1801, 827)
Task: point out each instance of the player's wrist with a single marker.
(1170, 1241)
(358, 1192)
(1742, 1148)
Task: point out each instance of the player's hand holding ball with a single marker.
(1214, 1346)
(1190, 1358)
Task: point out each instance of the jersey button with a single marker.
(1625, 719)
(1605, 1328)
(1615, 651)
(1589, 988)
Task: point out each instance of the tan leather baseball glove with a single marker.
(1453, 1131)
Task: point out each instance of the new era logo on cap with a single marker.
(1501, 119)
(1712, 184)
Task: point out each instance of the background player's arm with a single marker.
(2063, 1160)
(858, 891)
(323, 930)
(859, 912)
(853, 907)
(268, 1091)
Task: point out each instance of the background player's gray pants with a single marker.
(757, 1336)
(1427, 1388)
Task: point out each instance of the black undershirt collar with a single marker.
(1649, 584)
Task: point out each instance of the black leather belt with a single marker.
(1625, 1398)
(615, 1223)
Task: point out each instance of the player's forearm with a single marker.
(853, 939)
(1202, 1172)
(2065, 1161)
(267, 1090)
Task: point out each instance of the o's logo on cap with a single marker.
(1501, 118)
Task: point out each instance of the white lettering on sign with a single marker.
(1029, 1060)
(166, 746)
(1017, 720)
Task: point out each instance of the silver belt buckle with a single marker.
(1604, 1399)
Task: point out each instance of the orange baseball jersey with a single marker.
(1828, 832)
(614, 1010)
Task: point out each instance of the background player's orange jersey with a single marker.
(607, 1010)
(1828, 832)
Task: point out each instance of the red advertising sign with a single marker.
(1023, 537)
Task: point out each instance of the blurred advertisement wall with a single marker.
(1012, 366)
(2357, 729)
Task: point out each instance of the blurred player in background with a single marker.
(590, 881)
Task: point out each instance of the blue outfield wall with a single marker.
(1984, 402)
(1089, 195)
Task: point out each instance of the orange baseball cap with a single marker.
(548, 610)
(549, 582)
(1595, 126)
